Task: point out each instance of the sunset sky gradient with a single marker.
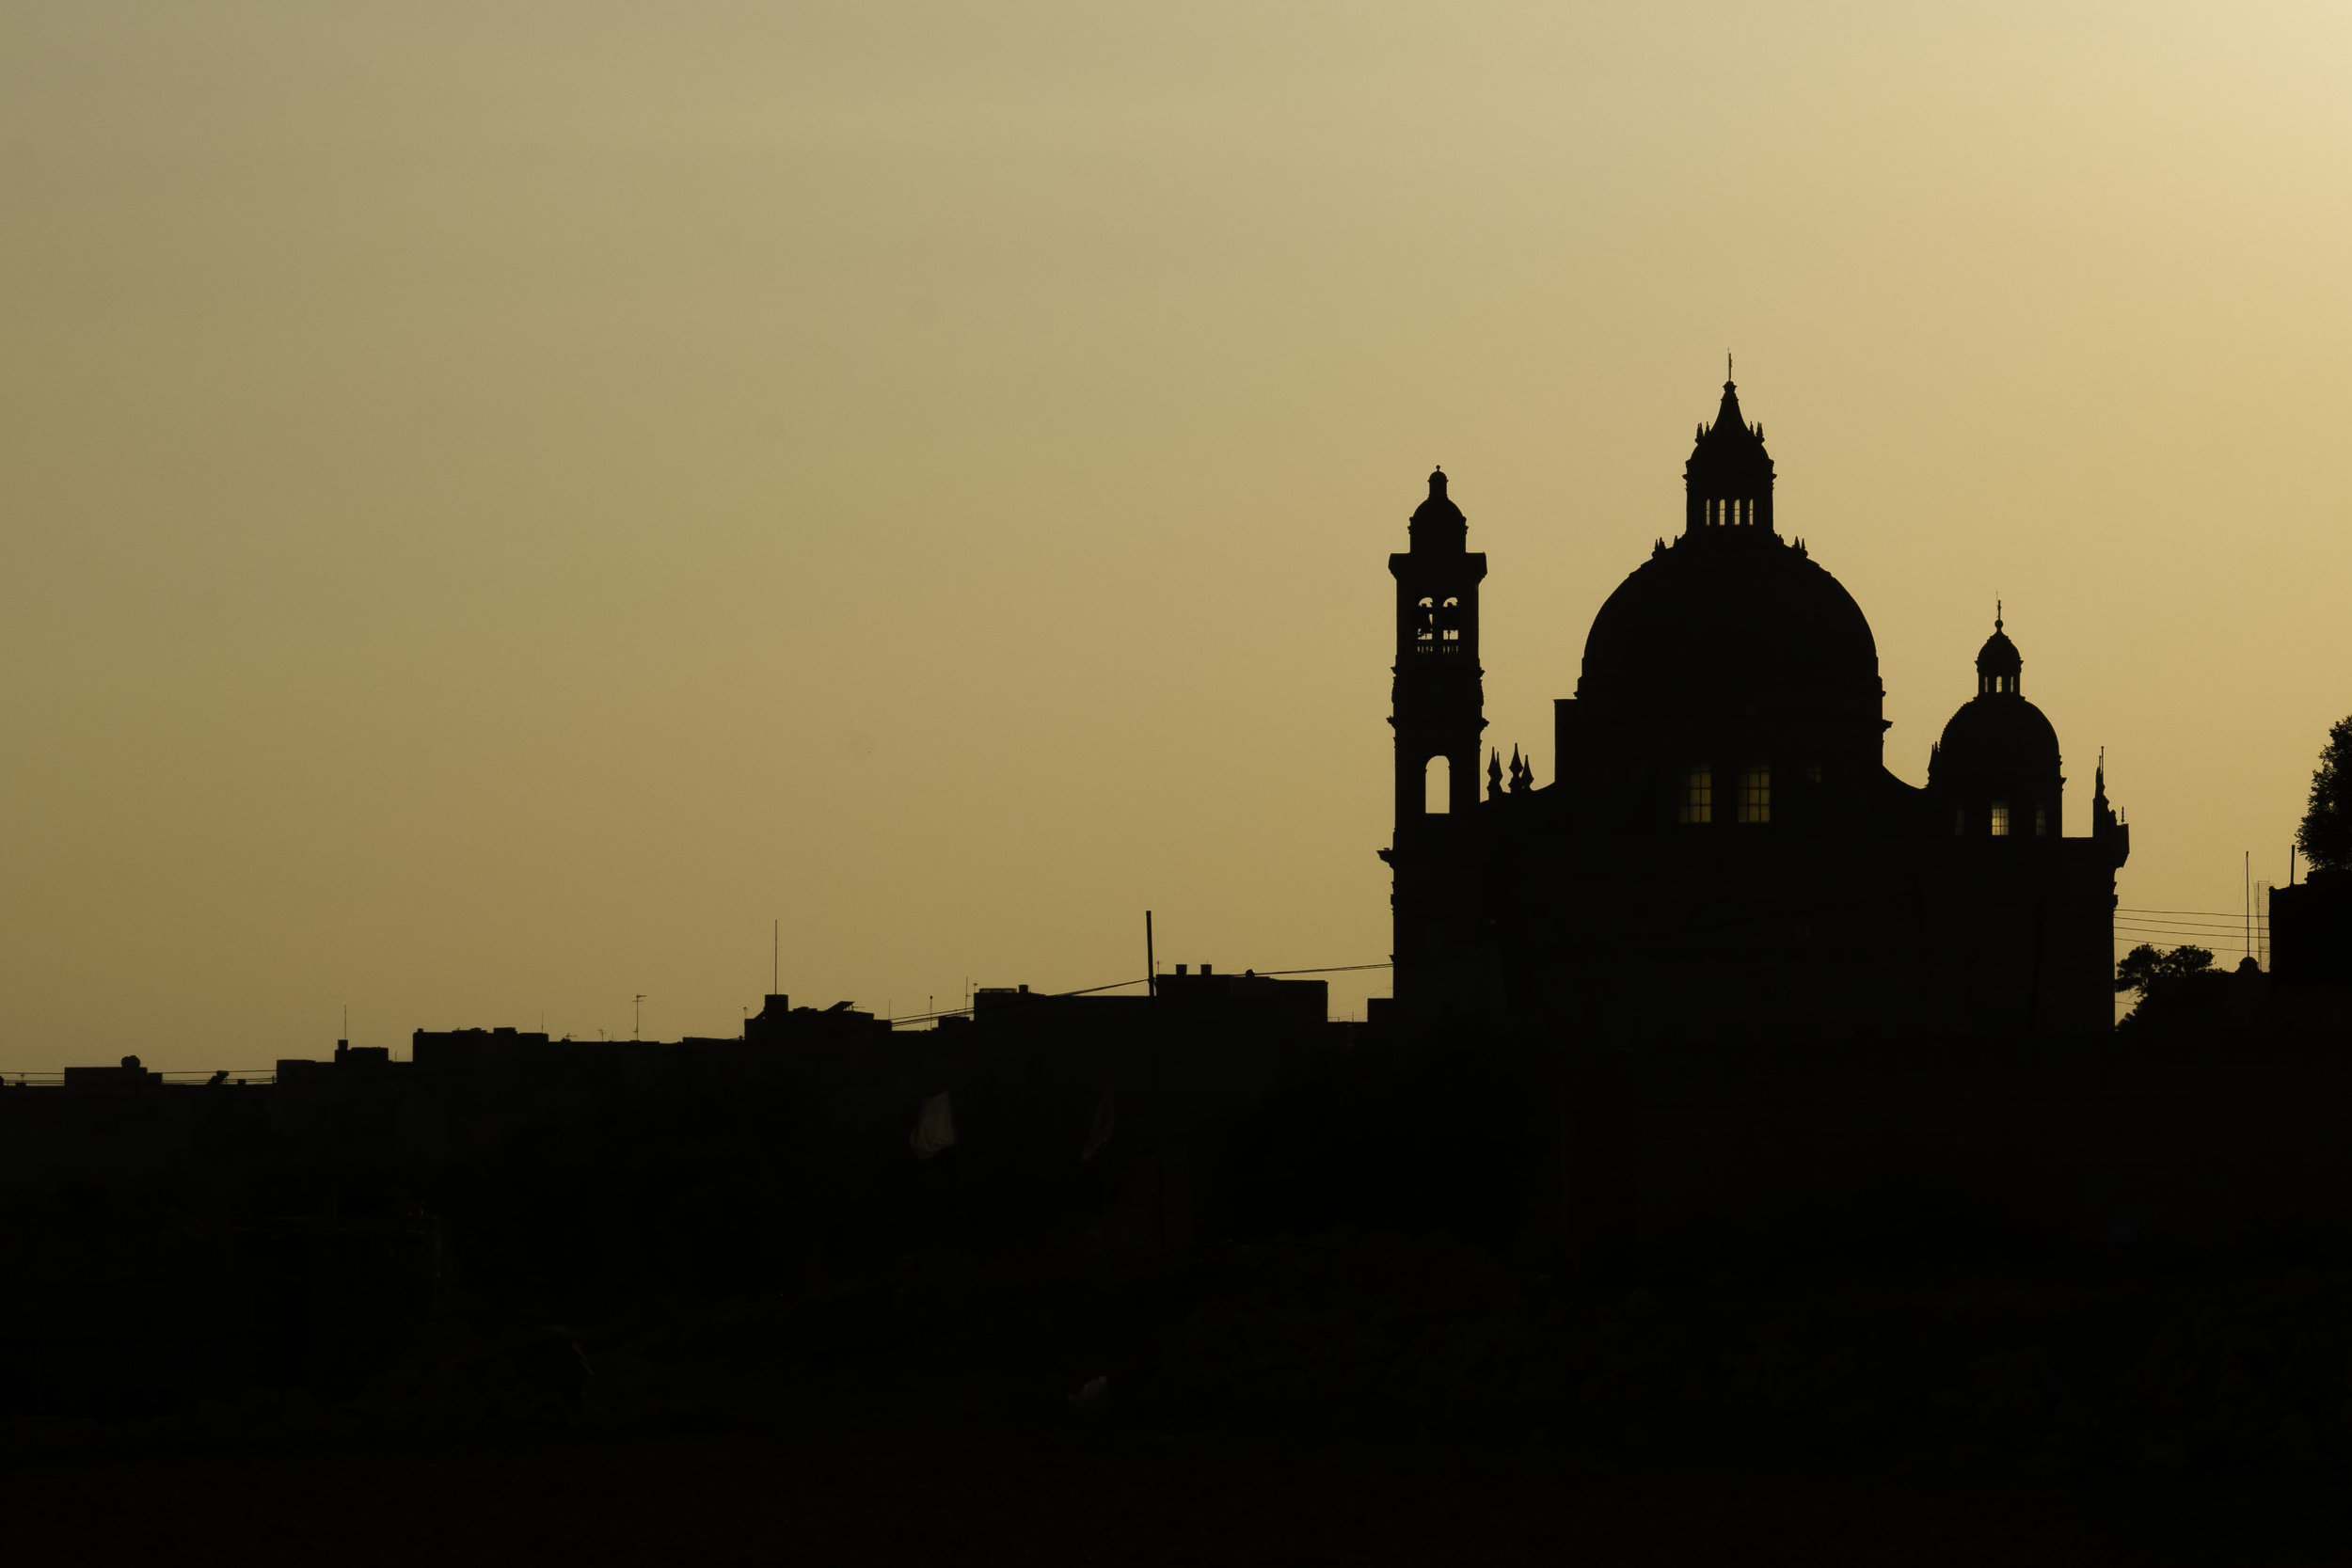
(502, 500)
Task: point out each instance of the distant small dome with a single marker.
(1997, 733)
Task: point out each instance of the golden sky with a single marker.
(502, 500)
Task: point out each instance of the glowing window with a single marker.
(1437, 787)
(1756, 793)
(1698, 795)
(2000, 819)
(2041, 821)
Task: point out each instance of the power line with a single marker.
(2208, 915)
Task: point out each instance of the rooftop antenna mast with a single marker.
(775, 955)
(637, 1027)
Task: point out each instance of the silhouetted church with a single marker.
(1723, 853)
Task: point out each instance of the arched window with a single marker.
(1437, 787)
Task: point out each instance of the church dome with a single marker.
(1997, 733)
(1715, 624)
(1731, 617)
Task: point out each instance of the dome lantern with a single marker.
(1728, 480)
(1998, 663)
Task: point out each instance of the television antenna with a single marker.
(637, 1027)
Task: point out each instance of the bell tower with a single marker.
(1438, 708)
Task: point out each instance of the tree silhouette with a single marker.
(2326, 836)
(2148, 972)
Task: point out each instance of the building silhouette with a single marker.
(1723, 853)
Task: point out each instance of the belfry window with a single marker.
(1437, 625)
(1756, 793)
(1436, 799)
(2000, 819)
(1698, 795)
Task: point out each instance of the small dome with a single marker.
(1997, 733)
(1437, 521)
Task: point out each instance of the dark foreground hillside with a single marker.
(924, 1492)
(1345, 1399)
